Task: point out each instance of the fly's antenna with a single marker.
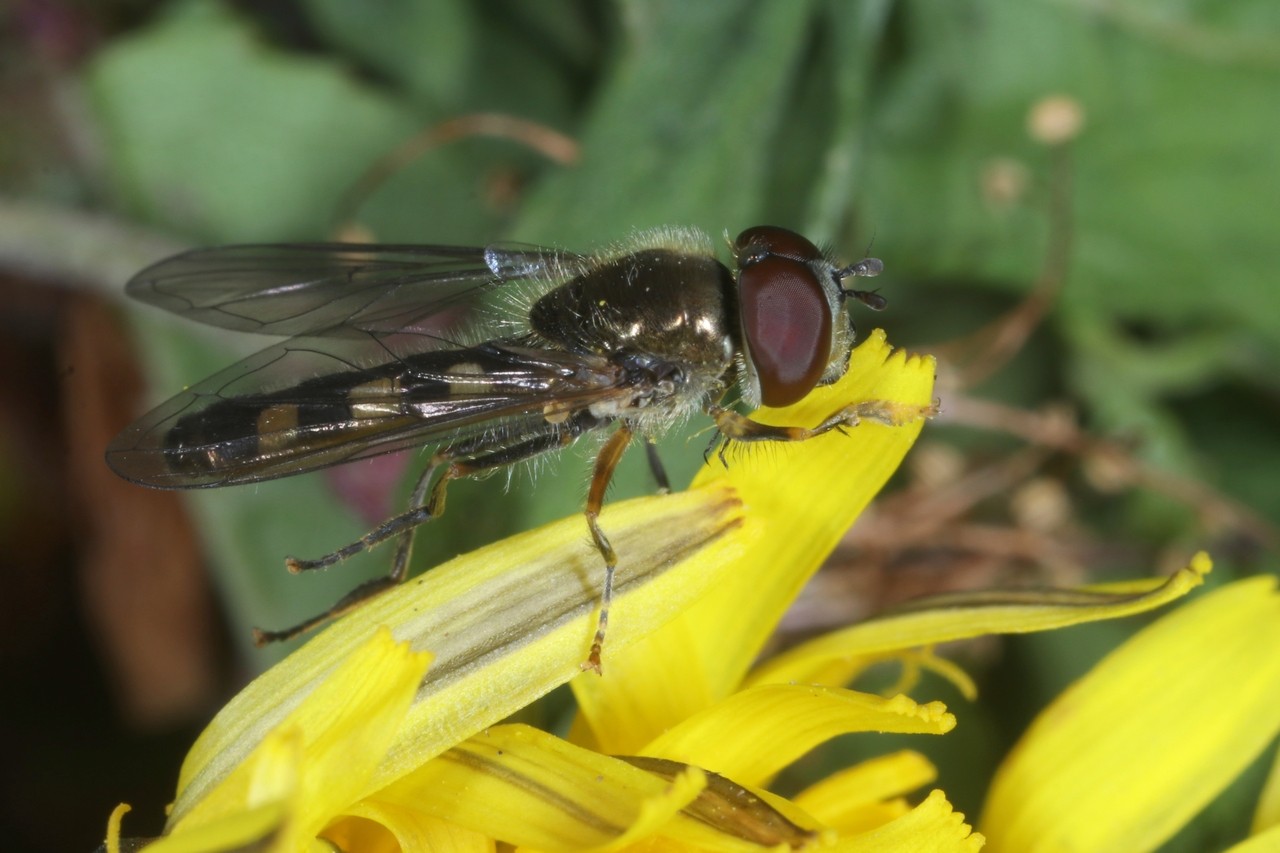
(865, 268)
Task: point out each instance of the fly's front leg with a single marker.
(735, 427)
(656, 467)
(456, 462)
(606, 462)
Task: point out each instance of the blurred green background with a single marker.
(1130, 422)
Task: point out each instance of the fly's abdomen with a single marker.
(207, 439)
(219, 441)
(240, 437)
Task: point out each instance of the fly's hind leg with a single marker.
(457, 462)
(403, 526)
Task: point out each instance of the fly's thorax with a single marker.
(658, 393)
(660, 310)
(662, 315)
(665, 302)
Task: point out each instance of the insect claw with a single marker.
(592, 663)
(724, 449)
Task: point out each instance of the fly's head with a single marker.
(795, 332)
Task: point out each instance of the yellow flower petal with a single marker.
(657, 813)
(256, 808)
(530, 788)
(931, 827)
(257, 828)
(506, 624)
(800, 499)
(322, 753)
(808, 494)
(944, 618)
(371, 827)
(1265, 842)
(870, 816)
(1267, 814)
(791, 719)
(844, 799)
(735, 813)
(1138, 746)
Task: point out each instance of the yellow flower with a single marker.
(347, 744)
(1126, 756)
(704, 576)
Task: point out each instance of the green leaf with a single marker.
(425, 47)
(214, 133)
(681, 130)
(453, 56)
(1172, 232)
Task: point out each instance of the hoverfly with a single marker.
(489, 356)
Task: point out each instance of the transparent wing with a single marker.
(327, 288)
(362, 396)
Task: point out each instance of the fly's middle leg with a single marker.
(606, 462)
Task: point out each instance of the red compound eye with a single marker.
(786, 316)
(762, 240)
